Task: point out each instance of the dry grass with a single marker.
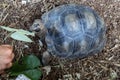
(103, 66)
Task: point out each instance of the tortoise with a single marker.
(72, 31)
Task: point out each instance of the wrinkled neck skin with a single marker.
(41, 34)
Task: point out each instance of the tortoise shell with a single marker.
(74, 31)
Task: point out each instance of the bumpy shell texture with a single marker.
(74, 31)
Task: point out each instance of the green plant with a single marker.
(18, 34)
(29, 66)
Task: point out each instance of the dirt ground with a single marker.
(104, 66)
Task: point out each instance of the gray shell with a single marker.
(74, 31)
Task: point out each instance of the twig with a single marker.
(3, 13)
(5, 17)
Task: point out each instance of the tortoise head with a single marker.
(37, 26)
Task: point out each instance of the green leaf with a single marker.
(20, 37)
(8, 28)
(31, 61)
(28, 62)
(19, 34)
(17, 68)
(26, 32)
(34, 74)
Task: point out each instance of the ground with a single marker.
(103, 66)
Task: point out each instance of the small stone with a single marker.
(113, 75)
(47, 69)
(68, 77)
(78, 75)
(25, 1)
(22, 77)
(116, 40)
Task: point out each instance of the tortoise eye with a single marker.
(36, 27)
